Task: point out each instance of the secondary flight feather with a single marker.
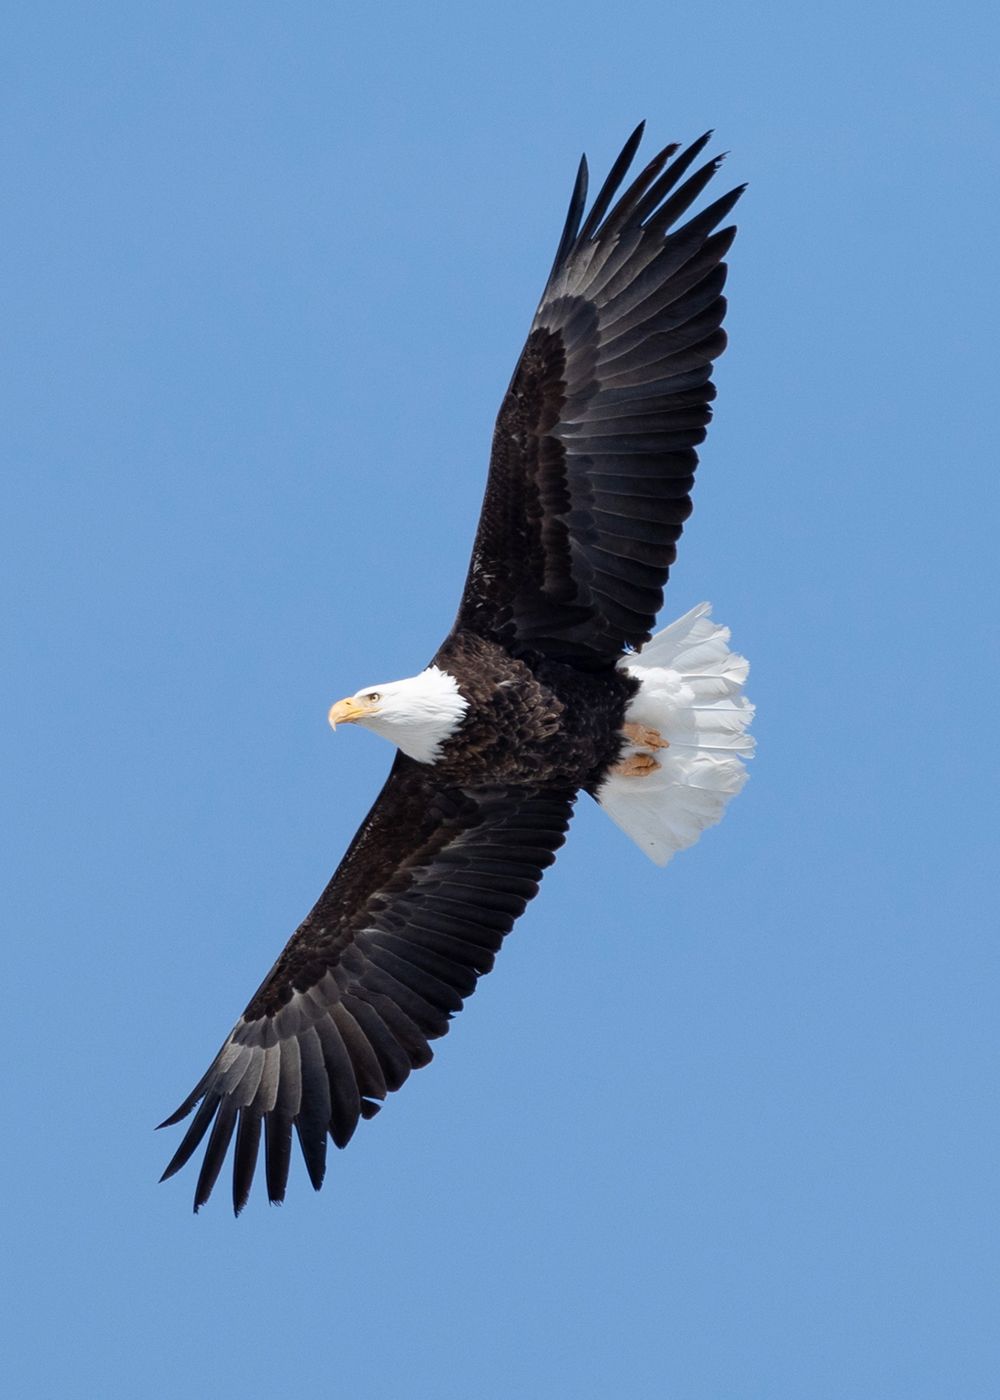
(549, 684)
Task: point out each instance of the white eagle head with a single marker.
(417, 714)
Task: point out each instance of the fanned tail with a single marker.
(691, 688)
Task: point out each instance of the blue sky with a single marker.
(724, 1130)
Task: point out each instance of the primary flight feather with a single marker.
(549, 683)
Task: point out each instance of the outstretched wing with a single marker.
(594, 448)
(415, 914)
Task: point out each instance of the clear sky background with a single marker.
(724, 1130)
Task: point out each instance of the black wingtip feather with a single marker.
(683, 197)
(648, 208)
(193, 1136)
(245, 1157)
(635, 197)
(179, 1114)
(608, 190)
(577, 203)
(277, 1154)
(313, 1147)
(215, 1152)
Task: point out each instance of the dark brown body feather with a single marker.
(589, 485)
(531, 719)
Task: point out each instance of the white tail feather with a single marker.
(690, 691)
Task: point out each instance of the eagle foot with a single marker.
(644, 737)
(637, 765)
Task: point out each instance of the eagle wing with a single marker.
(414, 915)
(594, 449)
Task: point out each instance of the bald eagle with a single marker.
(549, 684)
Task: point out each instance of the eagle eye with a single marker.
(373, 695)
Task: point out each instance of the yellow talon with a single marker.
(636, 765)
(643, 737)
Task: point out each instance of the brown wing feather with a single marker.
(415, 914)
(594, 448)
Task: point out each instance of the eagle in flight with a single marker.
(550, 683)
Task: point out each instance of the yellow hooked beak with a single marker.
(348, 711)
